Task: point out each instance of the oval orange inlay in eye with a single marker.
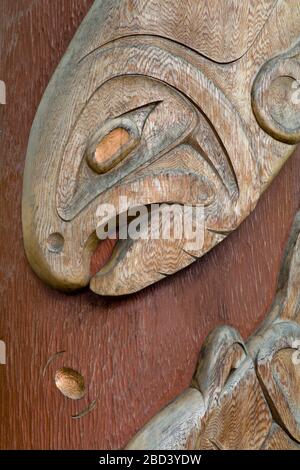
(111, 144)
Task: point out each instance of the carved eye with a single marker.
(117, 138)
(112, 144)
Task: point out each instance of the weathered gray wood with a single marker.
(176, 427)
(197, 104)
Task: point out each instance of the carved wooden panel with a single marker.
(144, 109)
(148, 325)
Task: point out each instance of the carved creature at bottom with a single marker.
(243, 396)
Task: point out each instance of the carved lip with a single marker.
(108, 281)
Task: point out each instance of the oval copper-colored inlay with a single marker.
(111, 144)
(70, 383)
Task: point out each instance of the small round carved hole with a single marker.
(70, 383)
(55, 243)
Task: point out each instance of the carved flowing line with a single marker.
(200, 54)
(67, 214)
(170, 147)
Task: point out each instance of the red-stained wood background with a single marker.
(137, 353)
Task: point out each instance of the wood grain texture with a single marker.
(220, 44)
(275, 97)
(248, 393)
(136, 353)
(201, 136)
(279, 440)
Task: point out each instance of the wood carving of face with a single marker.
(188, 102)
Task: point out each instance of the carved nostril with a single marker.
(70, 383)
(55, 242)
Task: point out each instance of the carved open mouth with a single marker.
(133, 263)
(180, 181)
(144, 237)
